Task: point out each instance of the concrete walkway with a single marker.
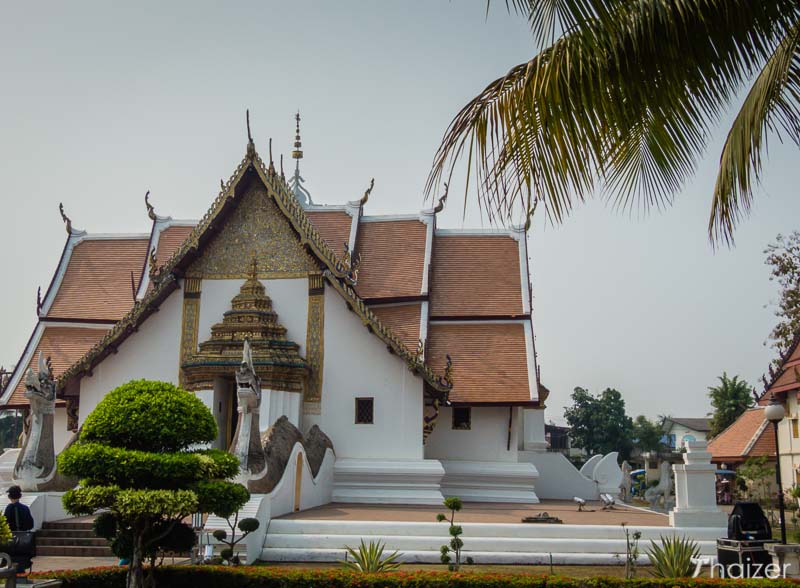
(483, 512)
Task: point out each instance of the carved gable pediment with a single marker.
(256, 227)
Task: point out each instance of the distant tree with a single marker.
(647, 435)
(598, 424)
(10, 428)
(729, 399)
(783, 257)
(137, 463)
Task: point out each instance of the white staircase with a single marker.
(290, 540)
(249, 511)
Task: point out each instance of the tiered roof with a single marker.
(462, 293)
(748, 436)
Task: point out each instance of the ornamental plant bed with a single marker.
(272, 577)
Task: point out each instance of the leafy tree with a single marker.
(647, 435)
(783, 257)
(599, 424)
(11, 423)
(729, 399)
(135, 462)
(5, 531)
(625, 101)
(758, 476)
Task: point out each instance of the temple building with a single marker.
(411, 347)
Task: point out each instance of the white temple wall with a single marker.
(358, 365)
(289, 300)
(152, 353)
(487, 440)
(60, 433)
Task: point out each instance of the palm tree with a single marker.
(623, 102)
(729, 399)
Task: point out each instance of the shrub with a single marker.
(454, 504)
(5, 531)
(150, 416)
(266, 577)
(134, 460)
(370, 560)
(673, 557)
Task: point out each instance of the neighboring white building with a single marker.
(411, 347)
(679, 430)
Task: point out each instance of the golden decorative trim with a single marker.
(244, 276)
(190, 322)
(315, 337)
(312, 408)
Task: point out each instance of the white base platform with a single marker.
(378, 481)
(321, 540)
(480, 481)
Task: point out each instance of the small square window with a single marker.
(365, 409)
(462, 418)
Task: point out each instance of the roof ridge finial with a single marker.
(65, 218)
(251, 147)
(367, 192)
(283, 177)
(151, 212)
(296, 182)
(39, 301)
(271, 163)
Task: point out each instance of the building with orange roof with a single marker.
(784, 385)
(414, 344)
(748, 436)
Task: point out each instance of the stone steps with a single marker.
(325, 540)
(71, 539)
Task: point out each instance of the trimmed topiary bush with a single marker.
(134, 461)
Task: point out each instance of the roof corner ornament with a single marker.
(419, 353)
(446, 380)
(39, 302)
(151, 212)
(152, 263)
(283, 176)
(368, 191)
(296, 182)
(349, 265)
(440, 205)
(529, 216)
(65, 218)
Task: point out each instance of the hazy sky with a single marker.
(100, 102)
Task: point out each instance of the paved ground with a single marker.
(53, 562)
(474, 512)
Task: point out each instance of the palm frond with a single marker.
(771, 105)
(622, 102)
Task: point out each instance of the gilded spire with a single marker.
(296, 183)
(298, 152)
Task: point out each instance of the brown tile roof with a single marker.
(746, 437)
(403, 320)
(490, 362)
(333, 226)
(168, 242)
(392, 258)
(475, 275)
(787, 380)
(64, 346)
(97, 282)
